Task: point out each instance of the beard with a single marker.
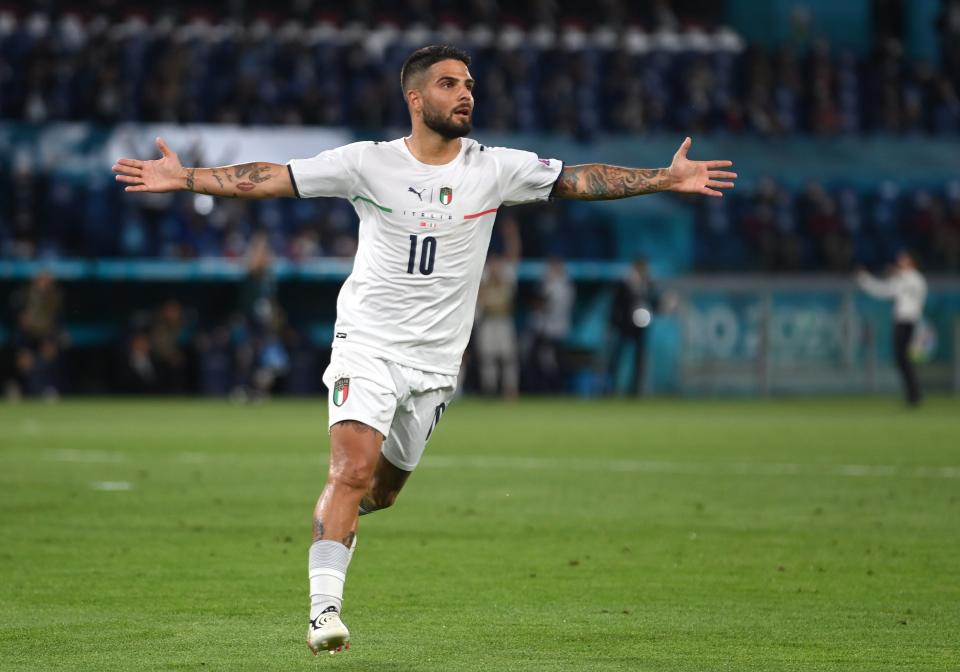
(445, 126)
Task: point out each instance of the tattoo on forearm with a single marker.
(317, 529)
(254, 174)
(602, 182)
(216, 176)
(190, 173)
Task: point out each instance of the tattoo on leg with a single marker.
(348, 540)
(367, 505)
(358, 426)
(317, 529)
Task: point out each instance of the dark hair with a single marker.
(421, 60)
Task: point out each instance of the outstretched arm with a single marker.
(245, 180)
(602, 182)
(875, 287)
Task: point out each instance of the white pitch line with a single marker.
(491, 462)
(112, 486)
(90, 456)
(685, 468)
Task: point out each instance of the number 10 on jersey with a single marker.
(428, 254)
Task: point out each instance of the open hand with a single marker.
(698, 177)
(158, 175)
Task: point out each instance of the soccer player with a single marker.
(427, 204)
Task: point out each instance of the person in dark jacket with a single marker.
(635, 301)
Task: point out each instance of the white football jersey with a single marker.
(424, 233)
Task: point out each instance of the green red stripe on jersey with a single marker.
(480, 214)
(371, 202)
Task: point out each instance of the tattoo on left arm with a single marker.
(254, 174)
(602, 182)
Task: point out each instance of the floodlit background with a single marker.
(769, 504)
(842, 118)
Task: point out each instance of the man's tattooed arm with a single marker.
(246, 180)
(602, 182)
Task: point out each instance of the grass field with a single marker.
(543, 535)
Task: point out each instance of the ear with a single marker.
(414, 100)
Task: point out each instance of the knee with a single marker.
(354, 452)
(354, 474)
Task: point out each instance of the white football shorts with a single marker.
(402, 403)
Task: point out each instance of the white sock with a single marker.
(327, 571)
(353, 547)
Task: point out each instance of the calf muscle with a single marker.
(354, 451)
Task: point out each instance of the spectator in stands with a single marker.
(946, 234)
(166, 337)
(600, 72)
(548, 328)
(262, 358)
(759, 225)
(635, 300)
(39, 338)
(908, 289)
(824, 225)
(948, 25)
(612, 77)
(138, 375)
(495, 329)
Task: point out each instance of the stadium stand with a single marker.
(549, 73)
(673, 69)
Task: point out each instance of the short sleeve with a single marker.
(331, 173)
(524, 177)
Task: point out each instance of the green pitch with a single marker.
(542, 535)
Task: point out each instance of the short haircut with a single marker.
(420, 61)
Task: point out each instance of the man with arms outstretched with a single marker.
(427, 203)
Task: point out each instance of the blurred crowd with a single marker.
(761, 226)
(37, 340)
(775, 229)
(247, 351)
(251, 351)
(49, 215)
(540, 66)
(545, 66)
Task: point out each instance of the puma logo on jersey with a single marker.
(418, 193)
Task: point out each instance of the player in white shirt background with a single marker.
(906, 286)
(427, 204)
